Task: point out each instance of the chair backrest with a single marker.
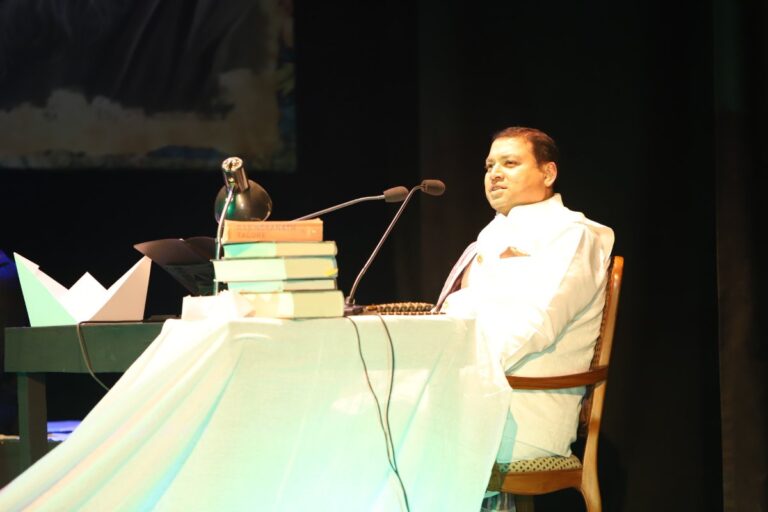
(591, 408)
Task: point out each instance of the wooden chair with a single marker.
(527, 478)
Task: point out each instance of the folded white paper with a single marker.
(50, 303)
(224, 306)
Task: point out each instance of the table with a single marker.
(265, 414)
(31, 352)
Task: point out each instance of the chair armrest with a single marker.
(573, 380)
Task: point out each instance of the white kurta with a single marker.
(540, 312)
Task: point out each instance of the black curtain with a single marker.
(627, 91)
(741, 61)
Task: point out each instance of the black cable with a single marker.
(386, 415)
(86, 357)
(389, 393)
(370, 387)
(384, 423)
(84, 349)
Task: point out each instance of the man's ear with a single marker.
(550, 173)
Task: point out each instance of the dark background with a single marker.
(658, 110)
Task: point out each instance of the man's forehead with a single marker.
(510, 146)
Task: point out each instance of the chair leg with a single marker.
(590, 490)
(523, 503)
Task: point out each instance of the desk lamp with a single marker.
(239, 199)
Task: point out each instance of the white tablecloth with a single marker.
(267, 414)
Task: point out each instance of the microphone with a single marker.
(431, 187)
(391, 195)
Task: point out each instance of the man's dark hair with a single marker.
(544, 148)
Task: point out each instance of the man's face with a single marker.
(513, 176)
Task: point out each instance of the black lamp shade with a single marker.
(251, 204)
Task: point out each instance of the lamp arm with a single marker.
(220, 231)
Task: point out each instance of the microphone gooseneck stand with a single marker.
(391, 195)
(431, 187)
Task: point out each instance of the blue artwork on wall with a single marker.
(146, 84)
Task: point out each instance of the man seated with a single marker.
(535, 281)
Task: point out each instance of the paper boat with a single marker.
(49, 303)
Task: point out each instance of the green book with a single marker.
(274, 269)
(279, 249)
(282, 285)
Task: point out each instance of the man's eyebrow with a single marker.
(502, 156)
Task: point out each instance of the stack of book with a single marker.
(284, 268)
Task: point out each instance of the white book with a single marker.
(282, 285)
(303, 304)
(273, 269)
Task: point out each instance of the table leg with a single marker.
(33, 417)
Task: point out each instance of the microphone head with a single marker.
(395, 194)
(433, 187)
